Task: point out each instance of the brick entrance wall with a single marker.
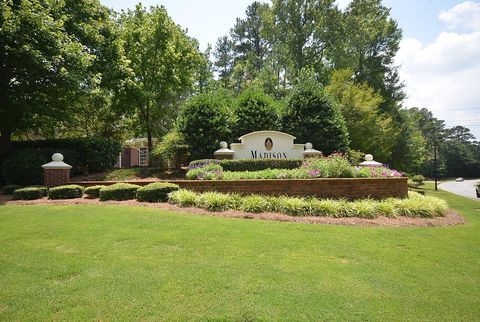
(349, 188)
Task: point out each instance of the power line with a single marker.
(455, 109)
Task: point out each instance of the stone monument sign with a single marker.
(264, 145)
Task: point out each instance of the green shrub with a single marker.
(202, 162)
(259, 164)
(66, 192)
(214, 201)
(9, 189)
(29, 193)
(364, 208)
(156, 192)
(171, 152)
(294, 206)
(93, 192)
(415, 206)
(418, 179)
(387, 208)
(207, 172)
(312, 116)
(119, 191)
(254, 203)
(205, 121)
(255, 111)
(326, 207)
(86, 155)
(183, 198)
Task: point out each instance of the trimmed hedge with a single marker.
(94, 154)
(248, 164)
(85, 155)
(9, 189)
(156, 192)
(119, 191)
(30, 193)
(66, 192)
(93, 192)
(259, 164)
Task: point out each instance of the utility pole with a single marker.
(435, 173)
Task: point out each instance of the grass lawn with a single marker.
(132, 263)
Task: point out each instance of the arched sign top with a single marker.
(267, 145)
(266, 133)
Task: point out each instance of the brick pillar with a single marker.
(224, 157)
(57, 172)
(224, 152)
(56, 177)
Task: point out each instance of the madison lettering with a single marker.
(268, 155)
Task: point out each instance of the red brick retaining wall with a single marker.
(349, 188)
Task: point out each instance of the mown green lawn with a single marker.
(129, 263)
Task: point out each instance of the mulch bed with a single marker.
(451, 218)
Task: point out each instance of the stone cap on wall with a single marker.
(224, 150)
(56, 163)
(369, 162)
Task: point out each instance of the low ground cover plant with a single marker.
(119, 191)
(415, 205)
(156, 192)
(66, 192)
(333, 166)
(9, 189)
(30, 193)
(93, 192)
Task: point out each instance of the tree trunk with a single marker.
(149, 140)
(5, 142)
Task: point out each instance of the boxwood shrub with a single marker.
(93, 192)
(156, 192)
(29, 193)
(9, 189)
(248, 164)
(119, 191)
(66, 192)
(259, 164)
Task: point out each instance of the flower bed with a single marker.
(333, 166)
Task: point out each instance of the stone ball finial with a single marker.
(308, 145)
(57, 157)
(368, 157)
(223, 145)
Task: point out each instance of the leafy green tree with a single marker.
(371, 39)
(163, 60)
(224, 59)
(304, 31)
(255, 111)
(52, 53)
(204, 121)
(369, 130)
(313, 116)
(250, 44)
(409, 151)
(205, 80)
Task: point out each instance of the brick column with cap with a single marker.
(56, 172)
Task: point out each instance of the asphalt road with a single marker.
(465, 188)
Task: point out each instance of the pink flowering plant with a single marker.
(333, 166)
(206, 172)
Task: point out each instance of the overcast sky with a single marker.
(439, 54)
